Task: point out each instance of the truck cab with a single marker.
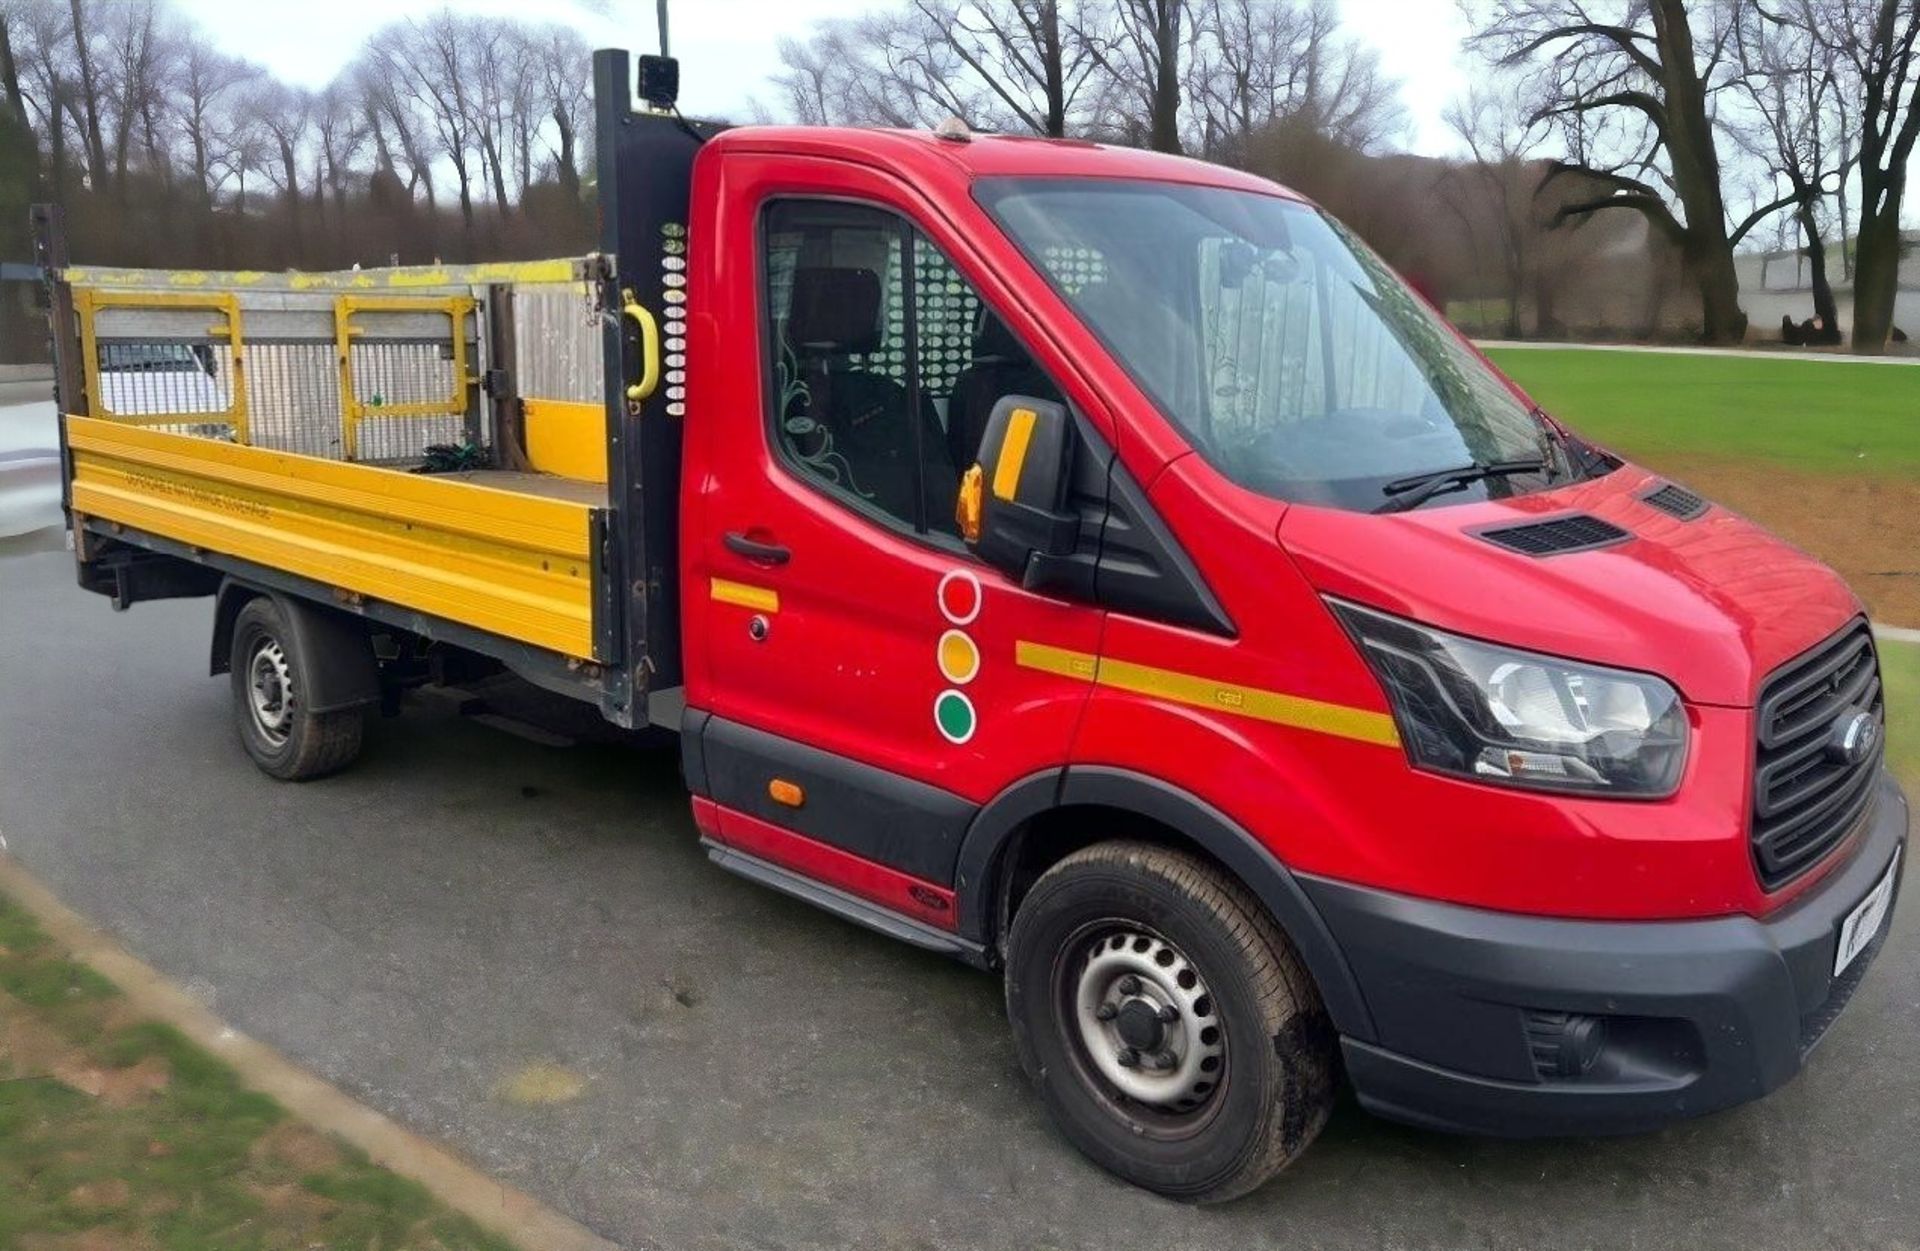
(1101, 567)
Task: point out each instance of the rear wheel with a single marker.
(270, 678)
(1172, 1031)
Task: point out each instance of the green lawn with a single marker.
(1828, 416)
(1900, 667)
(117, 1132)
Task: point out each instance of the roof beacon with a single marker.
(953, 130)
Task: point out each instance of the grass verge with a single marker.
(119, 1133)
(1900, 670)
(1834, 416)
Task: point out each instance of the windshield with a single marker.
(1289, 354)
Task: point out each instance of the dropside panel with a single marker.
(511, 563)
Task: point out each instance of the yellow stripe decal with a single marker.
(1013, 454)
(1055, 660)
(1185, 688)
(760, 598)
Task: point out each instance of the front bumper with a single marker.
(1473, 1010)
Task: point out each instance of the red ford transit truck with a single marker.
(1094, 565)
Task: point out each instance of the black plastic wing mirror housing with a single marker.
(1016, 493)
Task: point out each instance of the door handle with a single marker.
(753, 549)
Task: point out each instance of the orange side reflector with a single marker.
(785, 792)
(966, 506)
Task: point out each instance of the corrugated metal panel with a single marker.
(557, 342)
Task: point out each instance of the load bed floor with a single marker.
(551, 486)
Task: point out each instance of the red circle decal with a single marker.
(960, 597)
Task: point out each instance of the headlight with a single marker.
(1497, 714)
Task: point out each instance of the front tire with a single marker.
(1173, 1032)
(270, 681)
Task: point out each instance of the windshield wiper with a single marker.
(1411, 492)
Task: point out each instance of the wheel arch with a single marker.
(1056, 805)
(342, 670)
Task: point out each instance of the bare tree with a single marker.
(485, 57)
(16, 101)
(339, 133)
(1496, 193)
(283, 115)
(1256, 63)
(47, 86)
(1879, 43)
(89, 101)
(1139, 52)
(242, 149)
(558, 53)
(203, 81)
(1630, 90)
(130, 82)
(386, 108)
(1023, 53)
(848, 74)
(1804, 132)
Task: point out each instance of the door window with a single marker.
(885, 361)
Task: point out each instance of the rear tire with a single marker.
(270, 679)
(1174, 1034)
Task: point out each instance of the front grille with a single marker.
(1804, 799)
(1576, 532)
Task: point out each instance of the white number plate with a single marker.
(1858, 930)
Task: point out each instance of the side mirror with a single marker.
(1011, 506)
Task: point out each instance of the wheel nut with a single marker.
(1105, 1012)
(1128, 1057)
(1129, 985)
(1161, 1060)
(1169, 1014)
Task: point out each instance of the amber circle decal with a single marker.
(959, 658)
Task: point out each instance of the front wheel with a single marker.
(271, 678)
(1173, 1032)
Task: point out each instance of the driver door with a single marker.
(853, 648)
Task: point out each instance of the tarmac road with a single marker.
(521, 951)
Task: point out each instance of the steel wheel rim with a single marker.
(1112, 976)
(270, 695)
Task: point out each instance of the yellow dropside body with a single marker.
(511, 564)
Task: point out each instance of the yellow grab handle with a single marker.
(649, 347)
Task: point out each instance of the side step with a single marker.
(842, 904)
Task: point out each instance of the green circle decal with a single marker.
(953, 716)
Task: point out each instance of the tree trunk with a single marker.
(1053, 63)
(491, 167)
(1824, 307)
(569, 172)
(1165, 133)
(1696, 177)
(89, 102)
(290, 163)
(1711, 261)
(1876, 277)
(1546, 322)
(466, 194)
(10, 78)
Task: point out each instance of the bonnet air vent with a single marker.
(1575, 532)
(1675, 501)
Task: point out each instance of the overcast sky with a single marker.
(726, 47)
